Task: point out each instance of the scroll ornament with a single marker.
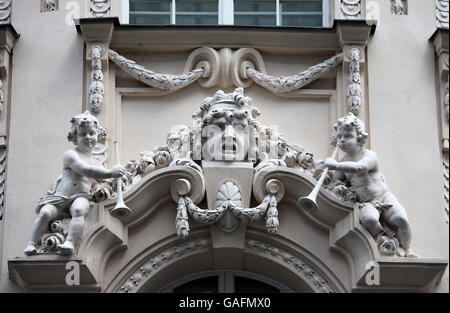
(5, 11)
(228, 201)
(442, 17)
(286, 84)
(166, 82)
(100, 8)
(351, 9)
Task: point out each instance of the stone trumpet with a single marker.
(120, 209)
(309, 203)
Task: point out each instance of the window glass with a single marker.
(301, 13)
(151, 12)
(252, 12)
(197, 12)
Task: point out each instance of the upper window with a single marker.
(307, 13)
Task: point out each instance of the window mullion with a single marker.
(173, 14)
(278, 12)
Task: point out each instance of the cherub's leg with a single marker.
(397, 217)
(369, 217)
(47, 214)
(78, 210)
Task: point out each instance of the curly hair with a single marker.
(85, 120)
(350, 121)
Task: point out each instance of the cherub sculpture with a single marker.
(73, 189)
(359, 170)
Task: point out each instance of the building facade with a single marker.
(222, 113)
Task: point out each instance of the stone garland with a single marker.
(96, 88)
(228, 200)
(5, 11)
(320, 284)
(154, 263)
(291, 83)
(399, 8)
(442, 15)
(351, 9)
(354, 94)
(2, 96)
(446, 184)
(166, 82)
(100, 8)
(2, 178)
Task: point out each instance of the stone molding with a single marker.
(2, 177)
(319, 284)
(170, 255)
(100, 8)
(351, 9)
(442, 15)
(5, 11)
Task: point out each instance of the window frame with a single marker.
(225, 12)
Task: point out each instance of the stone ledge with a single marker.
(47, 273)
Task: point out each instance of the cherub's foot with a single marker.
(30, 249)
(66, 248)
(401, 252)
(410, 254)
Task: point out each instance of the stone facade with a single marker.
(201, 195)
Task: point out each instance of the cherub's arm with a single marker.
(366, 164)
(74, 162)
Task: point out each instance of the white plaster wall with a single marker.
(403, 121)
(46, 92)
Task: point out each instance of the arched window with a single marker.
(305, 13)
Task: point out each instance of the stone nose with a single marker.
(229, 132)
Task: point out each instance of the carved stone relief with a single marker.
(442, 17)
(399, 7)
(100, 8)
(68, 201)
(354, 93)
(320, 284)
(2, 96)
(49, 5)
(351, 9)
(356, 178)
(209, 68)
(152, 265)
(96, 87)
(5, 11)
(2, 178)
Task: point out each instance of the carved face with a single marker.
(347, 139)
(226, 139)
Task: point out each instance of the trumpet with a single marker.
(120, 209)
(309, 203)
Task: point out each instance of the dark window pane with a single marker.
(302, 20)
(301, 6)
(197, 6)
(150, 5)
(247, 285)
(150, 19)
(256, 20)
(254, 6)
(204, 285)
(196, 20)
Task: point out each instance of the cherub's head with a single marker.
(350, 133)
(85, 131)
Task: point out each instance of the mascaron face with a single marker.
(226, 140)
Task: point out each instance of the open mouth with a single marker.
(229, 149)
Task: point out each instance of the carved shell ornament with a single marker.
(229, 196)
